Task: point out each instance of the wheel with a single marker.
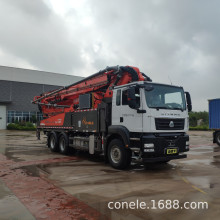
(118, 156)
(217, 138)
(53, 142)
(64, 143)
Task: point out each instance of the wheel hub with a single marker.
(115, 154)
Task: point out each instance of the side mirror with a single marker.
(189, 102)
(131, 98)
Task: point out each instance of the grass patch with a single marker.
(199, 128)
(24, 126)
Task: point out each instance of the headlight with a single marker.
(151, 145)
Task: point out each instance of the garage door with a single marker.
(2, 117)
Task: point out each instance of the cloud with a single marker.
(34, 33)
(168, 40)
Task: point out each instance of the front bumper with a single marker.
(163, 142)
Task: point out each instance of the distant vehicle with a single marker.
(214, 119)
(118, 112)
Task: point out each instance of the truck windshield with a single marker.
(165, 97)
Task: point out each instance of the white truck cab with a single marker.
(156, 116)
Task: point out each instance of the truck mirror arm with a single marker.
(189, 102)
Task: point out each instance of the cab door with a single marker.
(122, 114)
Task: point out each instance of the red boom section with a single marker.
(100, 84)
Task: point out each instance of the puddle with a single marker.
(89, 157)
(216, 158)
(201, 150)
(18, 153)
(196, 152)
(200, 181)
(154, 167)
(31, 170)
(69, 164)
(216, 161)
(12, 135)
(202, 147)
(197, 162)
(110, 171)
(216, 149)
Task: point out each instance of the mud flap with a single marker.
(38, 134)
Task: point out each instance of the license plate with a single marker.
(172, 151)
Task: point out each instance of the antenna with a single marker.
(170, 80)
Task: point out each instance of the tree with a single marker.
(195, 116)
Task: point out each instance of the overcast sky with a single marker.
(169, 40)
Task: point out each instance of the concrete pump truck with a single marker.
(120, 113)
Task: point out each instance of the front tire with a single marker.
(64, 143)
(118, 156)
(217, 138)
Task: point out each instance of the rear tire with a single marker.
(118, 156)
(64, 143)
(217, 138)
(53, 142)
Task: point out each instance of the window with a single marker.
(166, 97)
(118, 97)
(125, 97)
(26, 116)
(39, 116)
(173, 97)
(137, 98)
(18, 116)
(10, 116)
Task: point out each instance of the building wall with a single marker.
(5, 91)
(18, 95)
(15, 100)
(2, 117)
(19, 86)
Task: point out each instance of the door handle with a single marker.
(141, 111)
(121, 119)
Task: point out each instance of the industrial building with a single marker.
(19, 86)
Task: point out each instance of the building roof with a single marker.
(37, 77)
